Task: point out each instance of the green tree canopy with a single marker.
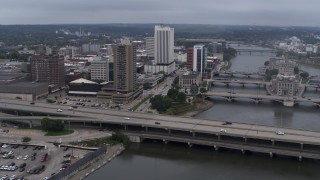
(304, 74)
(181, 97)
(52, 125)
(161, 103)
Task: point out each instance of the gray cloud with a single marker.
(245, 12)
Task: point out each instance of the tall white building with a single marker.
(164, 44)
(100, 70)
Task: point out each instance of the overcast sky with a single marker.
(228, 12)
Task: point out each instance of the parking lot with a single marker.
(35, 162)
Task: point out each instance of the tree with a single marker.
(52, 125)
(161, 103)
(181, 97)
(229, 53)
(304, 74)
(175, 83)
(203, 90)
(194, 89)
(280, 52)
(173, 93)
(25, 139)
(266, 63)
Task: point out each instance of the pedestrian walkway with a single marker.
(112, 152)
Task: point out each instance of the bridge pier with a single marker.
(146, 129)
(301, 146)
(272, 142)
(190, 144)
(165, 141)
(271, 154)
(216, 148)
(218, 137)
(30, 123)
(125, 127)
(300, 158)
(243, 151)
(245, 139)
(99, 125)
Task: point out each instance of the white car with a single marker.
(126, 118)
(5, 146)
(59, 110)
(223, 130)
(280, 133)
(19, 157)
(25, 157)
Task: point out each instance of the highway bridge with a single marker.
(244, 137)
(287, 101)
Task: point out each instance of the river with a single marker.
(157, 161)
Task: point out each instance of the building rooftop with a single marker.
(82, 80)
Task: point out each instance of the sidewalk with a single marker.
(112, 152)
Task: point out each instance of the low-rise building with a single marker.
(21, 86)
(189, 78)
(285, 85)
(151, 80)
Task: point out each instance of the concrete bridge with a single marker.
(243, 137)
(256, 51)
(287, 101)
(227, 82)
(232, 73)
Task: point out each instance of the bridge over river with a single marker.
(243, 137)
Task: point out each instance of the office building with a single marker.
(48, 69)
(100, 70)
(199, 59)
(164, 44)
(163, 51)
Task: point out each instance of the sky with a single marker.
(222, 12)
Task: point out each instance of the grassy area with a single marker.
(59, 133)
(181, 108)
(304, 80)
(116, 138)
(135, 107)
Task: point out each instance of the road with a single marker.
(170, 122)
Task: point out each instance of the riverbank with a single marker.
(112, 152)
(200, 107)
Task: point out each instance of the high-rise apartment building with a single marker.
(164, 44)
(48, 69)
(124, 87)
(124, 59)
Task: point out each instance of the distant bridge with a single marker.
(250, 51)
(232, 81)
(287, 101)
